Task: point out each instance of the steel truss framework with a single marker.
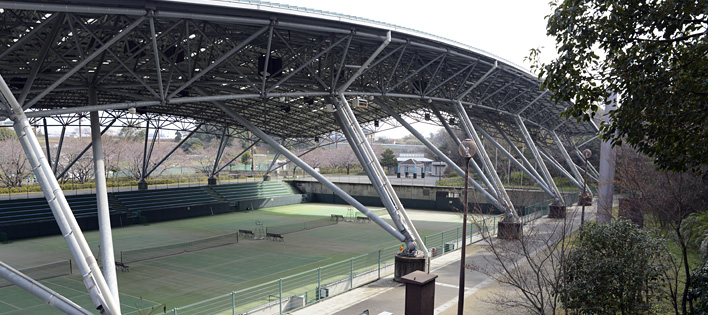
(265, 72)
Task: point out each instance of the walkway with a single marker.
(386, 297)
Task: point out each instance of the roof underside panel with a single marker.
(278, 70)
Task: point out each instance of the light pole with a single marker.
(586, 155)
(467, 149)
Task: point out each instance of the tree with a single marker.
(669, 198)
(388, 159)
(14, 166)
(178, 136)
(699, 289)
(245, 159)
(613, 268)
(651, 53)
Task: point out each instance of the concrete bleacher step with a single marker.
(214, 194)
(115, 205)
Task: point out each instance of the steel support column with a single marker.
(154, 167)
(367, 158)
(511, 158)
(469, 128)
(91, 273)
(81, 154)
(472, 161)
(548, 157)
(104, 216)
(566, 156)
(537, 156)
(41, 292)
(219, 153)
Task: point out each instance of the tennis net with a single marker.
(299, 226)
(130, 256)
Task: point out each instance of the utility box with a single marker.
(420, 293)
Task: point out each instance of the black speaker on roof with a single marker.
(275, 66)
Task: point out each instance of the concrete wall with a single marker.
(418, 197)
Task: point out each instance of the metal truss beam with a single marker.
(84, 62)
(237, 156)
(537, 156)
(154, 167)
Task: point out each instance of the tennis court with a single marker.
(176, 280)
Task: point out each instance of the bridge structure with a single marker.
(265, 72)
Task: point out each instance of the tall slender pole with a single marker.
(461, 298)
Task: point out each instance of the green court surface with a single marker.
(178, 280)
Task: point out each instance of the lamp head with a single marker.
(587, 153)
(467, 148)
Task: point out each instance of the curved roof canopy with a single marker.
(277, 66)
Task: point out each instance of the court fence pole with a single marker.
(442, 242)
(233, 303)
(458, 235)
(351, 273)
(318, 294)
(280, 294)
(379, 264)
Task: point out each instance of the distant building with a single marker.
(417, 163)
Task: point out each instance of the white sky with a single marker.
(505, 28)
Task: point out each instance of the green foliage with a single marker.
(245, 157)
(192, 145)
(699, 289)
(7, 133)
(132, 133)
(695, 229)
(613, 268)
(178, 136)
(388, 159)
(650, 53)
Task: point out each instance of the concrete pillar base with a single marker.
(556, 212)
(142, 185)
(407, 264)
(211, 181)
(585, 200)
(509, 230)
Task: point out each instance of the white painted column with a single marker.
(607, 171)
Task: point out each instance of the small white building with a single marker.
(418, 164)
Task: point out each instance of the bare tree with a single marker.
(530, 265)
(14, 166)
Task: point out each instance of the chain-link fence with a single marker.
(297, 291)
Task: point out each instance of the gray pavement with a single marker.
(386, 297)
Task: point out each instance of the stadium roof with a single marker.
(276, 65)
